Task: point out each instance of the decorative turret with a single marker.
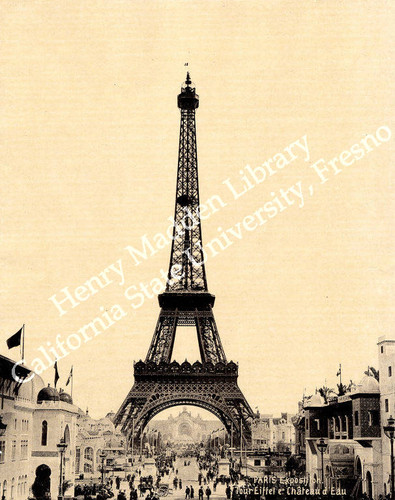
(48, 394)
(65, 397)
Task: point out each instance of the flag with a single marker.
(339, 372)
(70, 375)
(15, 339)
(56, 373)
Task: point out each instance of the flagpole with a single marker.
(23, 342)
(72, 381)
(340, 371)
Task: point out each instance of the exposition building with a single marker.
(34, 420)
(355, 454)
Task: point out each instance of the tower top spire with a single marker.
(188, 99)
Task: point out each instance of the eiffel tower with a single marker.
(210, 383)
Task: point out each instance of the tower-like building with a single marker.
(386, 357)
(210, 382)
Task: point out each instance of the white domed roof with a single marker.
(367, 385)
(316, 400)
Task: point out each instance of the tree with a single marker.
(66, 485)
(325, 392)
(343, 388)
(372, 372)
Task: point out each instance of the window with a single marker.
(356, 418)
(44, 433)
(77, 460)
(382, 349)
(390, 371)
(88, 454)
(13, 450)
(257, 462)
(4, 489)
(2, 452)
(386, 405)
(24, 447)
(374, 418)
(88, 468)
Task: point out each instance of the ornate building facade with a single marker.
(274, 433)
(356, 456)
(97, 443)
(37, 419)
(185, 428)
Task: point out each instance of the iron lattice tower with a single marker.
(210, 383)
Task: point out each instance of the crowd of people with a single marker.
(234, 486)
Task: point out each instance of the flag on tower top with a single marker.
(56, 373)
(70, 375)
(15, 340)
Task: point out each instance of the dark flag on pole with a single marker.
(56, 373)
(15, 340)
(70, 376)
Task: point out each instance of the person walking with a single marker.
(208, 492)
(187, 493)
(201, 493)
(192, 492)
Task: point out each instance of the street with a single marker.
(189, 477)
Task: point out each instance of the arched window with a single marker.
(67, 435)
(44, 433)
(369, 485)
(88, 454)
(4, 490)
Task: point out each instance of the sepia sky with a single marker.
(89, 140)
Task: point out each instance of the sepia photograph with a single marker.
(197, 250)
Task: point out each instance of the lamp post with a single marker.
(102, 457)
(61, 447)
(322, 446)
(132, 440)
(389, 431)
